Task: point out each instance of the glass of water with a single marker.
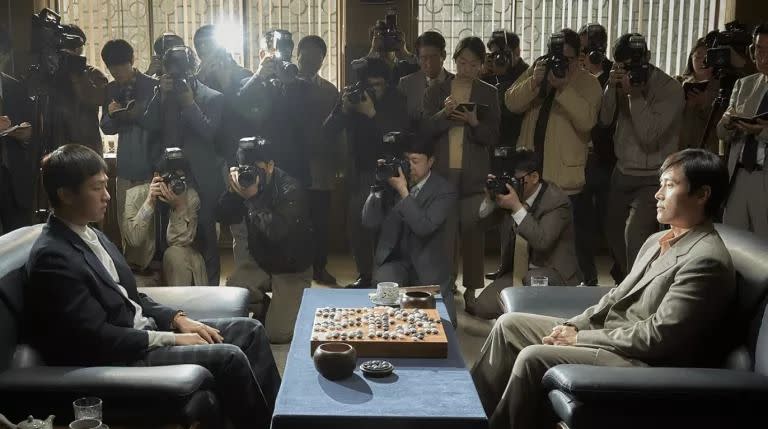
(539, 281)
(87, 408)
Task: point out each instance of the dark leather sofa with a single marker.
(179, 394)
(584, 396)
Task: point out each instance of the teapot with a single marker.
(33, 423)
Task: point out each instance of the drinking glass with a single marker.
(87, 408)
(539, 281)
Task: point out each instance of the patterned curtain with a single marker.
(671, 27)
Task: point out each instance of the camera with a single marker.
(283, 44)
(180, 63)
(596, 48)
(638, 67)
(719, 44)
(502, 56)
(174, 163)
(503, 167)
(48, 41)
(395, 142)
(248, 149)
(357, 92)
(390, 37)
(557, 62)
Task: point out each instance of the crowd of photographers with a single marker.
(553, 154)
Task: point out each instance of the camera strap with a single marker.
(540, 132)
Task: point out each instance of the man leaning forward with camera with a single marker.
(412, 211)
(177, 203)
(274, 208)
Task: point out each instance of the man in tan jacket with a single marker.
(558, 123)
(663, 313)
(183, 265)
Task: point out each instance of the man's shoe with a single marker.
(324, 278)
(360, 283)
(470, 301)
(494, 275)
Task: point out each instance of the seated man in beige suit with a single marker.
(664, 313)
(541, 240)
(183, 265)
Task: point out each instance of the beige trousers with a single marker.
(283, 308)
(512, 363)
(184, 266)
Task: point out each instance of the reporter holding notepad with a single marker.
(462, 141)
(747, 205)
(701, 89)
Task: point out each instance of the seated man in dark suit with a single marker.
(88, 311)
(412, 211)
(666, 312)
(541, 241)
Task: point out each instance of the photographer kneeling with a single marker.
(274, 209)
(412, 210)
(182, 263)
(542, 235)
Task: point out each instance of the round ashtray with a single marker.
(377, 368)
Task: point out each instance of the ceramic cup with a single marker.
(388, 292)
(417, 300)
(335, 360)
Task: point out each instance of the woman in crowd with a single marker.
(701, 88)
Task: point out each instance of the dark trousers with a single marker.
(594, 206)
(11, 215)
(361, 239)
(319, 213)
(244, 370)
(209, 241)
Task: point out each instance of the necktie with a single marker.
(749, 155)
(540, 131)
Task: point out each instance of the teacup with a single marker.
(388, 292)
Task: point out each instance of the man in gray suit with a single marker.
(430, 53)
(541, 215)
(672, 303)
(747, 205)
(412, 213)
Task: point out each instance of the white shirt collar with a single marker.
(80, 230)
(421, 184)
(440, 76)
(533, 196)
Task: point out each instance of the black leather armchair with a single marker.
(179, 394)
(584, 396)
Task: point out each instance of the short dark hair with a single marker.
(205, 32)
(572, 39)
(526, 160)
(116, 52)
(76, 30)
(430, 38)
(420, 144)
(595, 33)
(69, 167)
(165, 42)
(474, 44)
(702, 168)
(6, 43)
(377, 68)
(380, 25)
(313, 41)
(621, 49)
(512, 42)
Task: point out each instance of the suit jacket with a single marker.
(571, 119)
(669, 312)
(477, 141)
(75, 313)
(198, 126)
(423, 221)
(747, 94)
(21, 159)
(324, 151)
(548, 228)
(413, 87)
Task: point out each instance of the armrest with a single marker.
(203, 302)
(587, 383)
(149, 382)
(555, 301)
